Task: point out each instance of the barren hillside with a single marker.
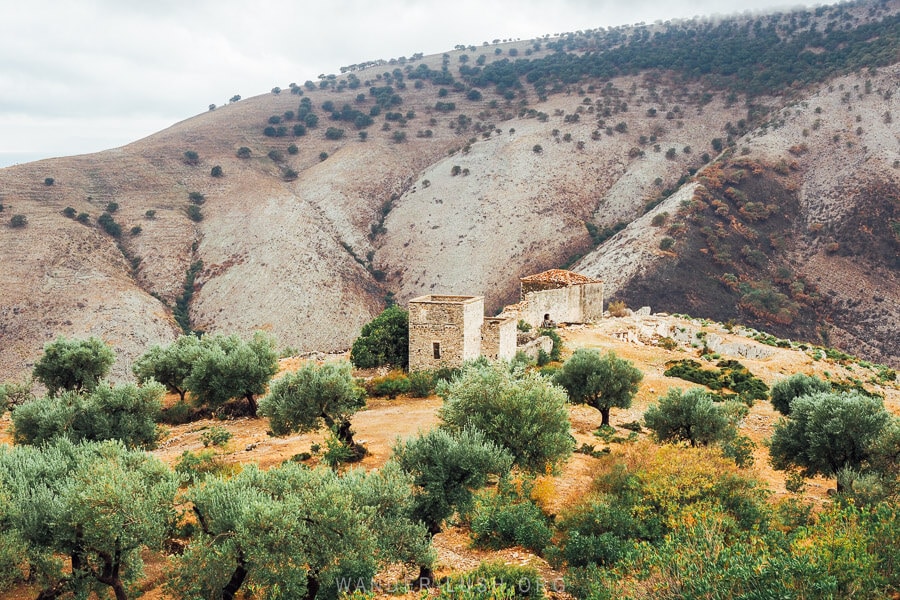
(444, 174)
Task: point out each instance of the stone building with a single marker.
(559, 296)
(445, 330)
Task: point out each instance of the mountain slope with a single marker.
(445, 174)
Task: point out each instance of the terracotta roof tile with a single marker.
(559, 277)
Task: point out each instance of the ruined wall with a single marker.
(444, 330)
(573, 304)
(498, 338)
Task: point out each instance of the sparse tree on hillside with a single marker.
(522, 412)
(314, 396)
(191, 157)
(84, 513)
(170, 365)
(603, 382)
(827, 432)
(690, 416)
(230, 368)
(73, 364)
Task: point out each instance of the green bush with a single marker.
(666, 243)
(494, 581)
(383, 341)
(215, 436)
(509, 517)
(191, 157)
(194, 213)
(196, 198)
(18, 221)
(216, 171)
(109, 225)
(69, 212)
(421, 384)
(194, 466)
(243, 152)
(391, 385)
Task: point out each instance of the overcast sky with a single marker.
(79, 77)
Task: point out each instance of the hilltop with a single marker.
(775, 173)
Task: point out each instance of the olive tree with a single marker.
(827, 432)
(445, 468)
(600, 381)
(383, 341)
(786, 390)
(524, 413)
(314, 396)
(170, 365)
(125, 412)
(228, 367)
(73, 364)
(85, 512)
(294, 532)
(693, 417)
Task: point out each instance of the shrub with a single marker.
(194, 213)
(49, 181)
(69, 212)
(421, 384)
(83, 217)
(617, 308)
(243, 152)
(109, 225)
(537, 148)
(18, 221)
(150, 214)
(333, 133)
(494, 581)
(786, 390)
(215, 436)
(556, 350)
(216, 171)
(136, 230)
(195, 466)
(522, 412)
(191, 157)
(659, 219)
(197, 198)
(667, 243)
(509, 517)
(322, 156)
(390, 385)
(383, 341)
(293, 149)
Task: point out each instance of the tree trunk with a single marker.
(312, 586)
(425, 578)
(236, 581)
(604, 412)
(345, 435)
(251, 402)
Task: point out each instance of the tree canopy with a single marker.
(827, 432)
(294, 532)
(314, 396)
(228, 367)
(522, 412)
(786, 390)
(383, 341)
(170, 365)
(83, 513)
(693, 417)
(125, 412)
(600, 381)
(73, 364)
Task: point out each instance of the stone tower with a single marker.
(444, 331)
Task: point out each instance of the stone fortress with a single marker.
(446, 330)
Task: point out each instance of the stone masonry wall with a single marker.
(444, 330)
(498, 338)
